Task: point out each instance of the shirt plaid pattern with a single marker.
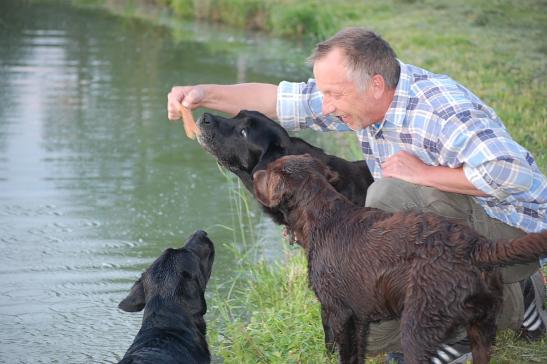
(444, 124)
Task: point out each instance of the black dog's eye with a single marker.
(244, 133)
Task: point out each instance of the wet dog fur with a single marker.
(366, 265)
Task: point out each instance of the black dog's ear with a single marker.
(195, 302)
(135, 300)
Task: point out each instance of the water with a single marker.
(94, 181)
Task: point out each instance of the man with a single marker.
(431, 145)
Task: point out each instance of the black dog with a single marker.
(367, 265)
(171, 291)
(249, 141)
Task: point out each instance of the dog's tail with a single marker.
(504, 252)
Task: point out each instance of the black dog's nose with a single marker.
(199, 234)
(196, 238)
(206, 118)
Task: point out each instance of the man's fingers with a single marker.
(173, 112)
(173, 104)
(191, 99)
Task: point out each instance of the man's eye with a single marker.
(243, 133)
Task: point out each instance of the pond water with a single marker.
(95, 182)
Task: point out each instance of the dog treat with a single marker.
(189, 123)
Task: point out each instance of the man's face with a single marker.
(341, 97)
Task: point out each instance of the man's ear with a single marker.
(135, 300)
(378, 85)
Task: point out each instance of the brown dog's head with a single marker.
(178, 275)
(289, 174)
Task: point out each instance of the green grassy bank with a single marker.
(273, 317)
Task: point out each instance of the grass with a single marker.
(273, 317)
(280, 322)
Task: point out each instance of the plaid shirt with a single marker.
(444, 124)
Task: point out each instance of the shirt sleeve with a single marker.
(299, 107)
(492, 161)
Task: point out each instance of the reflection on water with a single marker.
(94, 182)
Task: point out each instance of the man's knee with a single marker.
(384, 336)
(512, 308)
(391, 194)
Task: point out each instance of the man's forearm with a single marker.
(245, 96)
(410, 168)
(449, 180)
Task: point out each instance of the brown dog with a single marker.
(367, 265)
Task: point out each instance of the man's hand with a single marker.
(189, 96)
(405, 166)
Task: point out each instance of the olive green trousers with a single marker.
(390, 194)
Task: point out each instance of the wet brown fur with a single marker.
(366, 265)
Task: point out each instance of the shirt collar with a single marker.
(397, 110)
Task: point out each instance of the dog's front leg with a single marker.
(343, 323)
(330, 345)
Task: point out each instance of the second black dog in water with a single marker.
(171, 291)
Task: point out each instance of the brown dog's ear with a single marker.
(331, 175)
(266, 190)
(135, 300)
(260, 184)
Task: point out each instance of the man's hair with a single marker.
(367, 54)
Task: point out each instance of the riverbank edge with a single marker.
(302, 19)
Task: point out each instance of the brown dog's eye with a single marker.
(243, 133)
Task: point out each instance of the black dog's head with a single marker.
(250, 141)
(178, 275)
(241, 143)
